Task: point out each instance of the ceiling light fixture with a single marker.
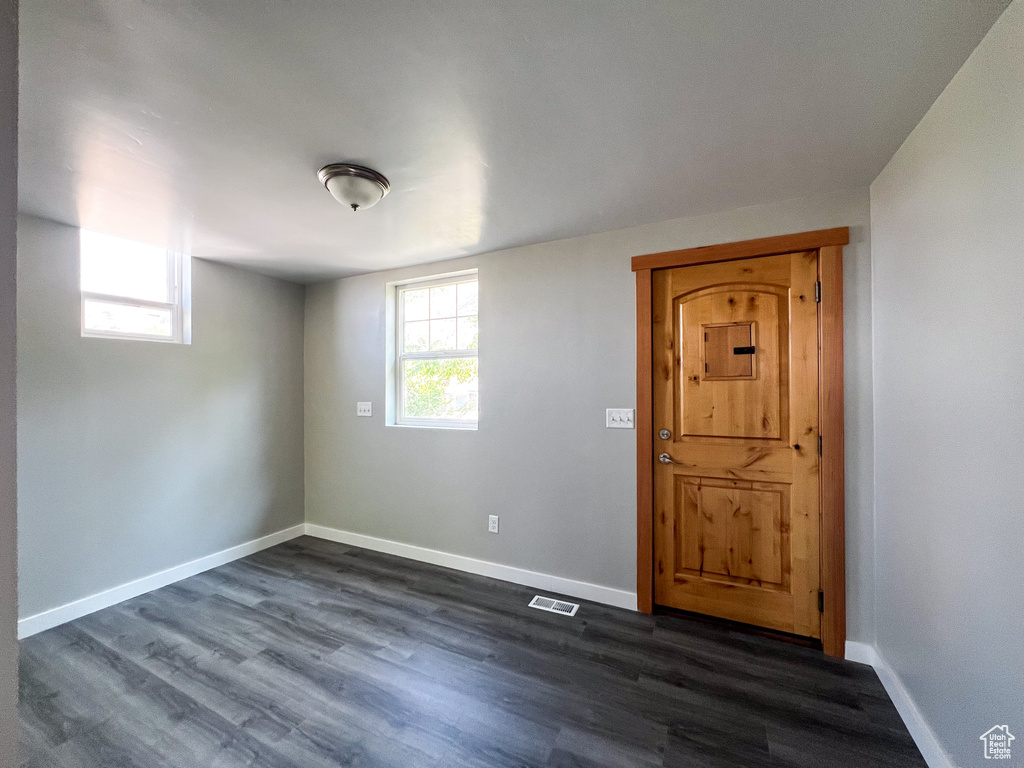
(354, 185)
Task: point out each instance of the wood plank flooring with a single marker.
(317, 654)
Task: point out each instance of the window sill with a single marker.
(449, 426)
(128, 337)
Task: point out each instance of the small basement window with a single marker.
(132, 290)
(436, 345)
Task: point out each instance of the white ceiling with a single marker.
(499, 123)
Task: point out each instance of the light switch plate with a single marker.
(619, 418)
(364, 409)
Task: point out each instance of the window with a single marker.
(436, 374)
(132, 290)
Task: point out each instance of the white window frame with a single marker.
(399, 356)
(179, 274)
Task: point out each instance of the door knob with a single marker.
(664, 458)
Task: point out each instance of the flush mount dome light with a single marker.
(354, 185)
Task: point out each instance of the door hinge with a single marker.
(819, 445)
(817, 291)
(821, 601)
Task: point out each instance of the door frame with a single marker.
(829, 245)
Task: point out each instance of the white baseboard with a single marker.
(40, 622)
(619, 598)
(920, 731)
(862, 653)
(925, 738)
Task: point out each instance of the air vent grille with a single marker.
(555, 606)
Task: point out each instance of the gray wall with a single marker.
(8, 493)
(947, 217)
(139, 456)
(557, 348)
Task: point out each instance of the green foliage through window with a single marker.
(441, 388)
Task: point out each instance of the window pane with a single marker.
(467, 298)
(442, 301)
(119, 318)
(442, 334)
(119, 267)
(417, 304)
(467, 333)
(441, 389)
(416, 336)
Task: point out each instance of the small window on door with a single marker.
(729, 351)
(132, 290)
(437, 343)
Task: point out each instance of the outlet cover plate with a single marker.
(492, 523)
(619, 418)
(364, 409)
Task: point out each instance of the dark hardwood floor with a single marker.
(318, 654)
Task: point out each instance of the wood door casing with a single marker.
(737, 522)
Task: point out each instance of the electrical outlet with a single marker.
(618, 418)
(492, 523)
(364, 409)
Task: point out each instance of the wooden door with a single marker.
(736, 476)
